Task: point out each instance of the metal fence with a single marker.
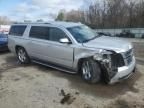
(137, 32)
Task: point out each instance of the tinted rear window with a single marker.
(39, 32)
(17, 30)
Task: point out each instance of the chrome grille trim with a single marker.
(128, 55)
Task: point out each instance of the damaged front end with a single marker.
(110, 61)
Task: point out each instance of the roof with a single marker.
(57, 23)
(66, 24)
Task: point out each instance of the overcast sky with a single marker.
(19, 10)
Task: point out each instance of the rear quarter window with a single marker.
(17, 30)
(39, 32)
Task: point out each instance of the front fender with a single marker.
(81, 54)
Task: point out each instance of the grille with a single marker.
(129, 60)
(128, 53)
(128, 56)
(117, 60)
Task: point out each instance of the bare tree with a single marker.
(110, 14)
(4, 20)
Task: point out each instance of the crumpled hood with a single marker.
(109, 43)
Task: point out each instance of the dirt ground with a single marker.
(36, 86)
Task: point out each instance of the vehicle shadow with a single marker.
(10, 63)
(4, 52)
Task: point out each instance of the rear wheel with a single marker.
(22, 56)
(91, 71)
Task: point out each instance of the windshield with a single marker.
(82, 33)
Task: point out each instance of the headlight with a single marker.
(98, 57)
(103, 55)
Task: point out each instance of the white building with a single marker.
(4, 28)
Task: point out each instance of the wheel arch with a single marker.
(27, 60)
(96, 71)
(104, 73)
(80, 61)
(18, 46)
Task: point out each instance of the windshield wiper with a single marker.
(91, 39)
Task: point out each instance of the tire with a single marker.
(90, 71)
(22, 56)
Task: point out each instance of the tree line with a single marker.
(4, 20)
(108, 14)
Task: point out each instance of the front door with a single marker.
(59, 53)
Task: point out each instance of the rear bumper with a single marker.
(124, 72)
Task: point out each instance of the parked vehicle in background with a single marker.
(126, 34)
(103, 33)
(142, 36)
(4, 29)
(3, 42)
(73, 48)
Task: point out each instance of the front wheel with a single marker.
(91, 71)
(22, 55)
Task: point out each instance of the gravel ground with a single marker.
(36, 86)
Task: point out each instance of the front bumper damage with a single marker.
(117, 66)
(124, 72)
(117, 74)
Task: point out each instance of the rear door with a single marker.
(38, 45)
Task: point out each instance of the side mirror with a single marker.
(65, 41)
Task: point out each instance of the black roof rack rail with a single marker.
(31, 23)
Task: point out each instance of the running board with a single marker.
(55, 67)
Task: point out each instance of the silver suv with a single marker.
(73, 48)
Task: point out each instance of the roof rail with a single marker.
(32, 23)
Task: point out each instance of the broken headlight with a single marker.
(98, 57)
(103, 55)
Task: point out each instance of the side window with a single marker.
(17, 30)
(56, 34)
(39, 32)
